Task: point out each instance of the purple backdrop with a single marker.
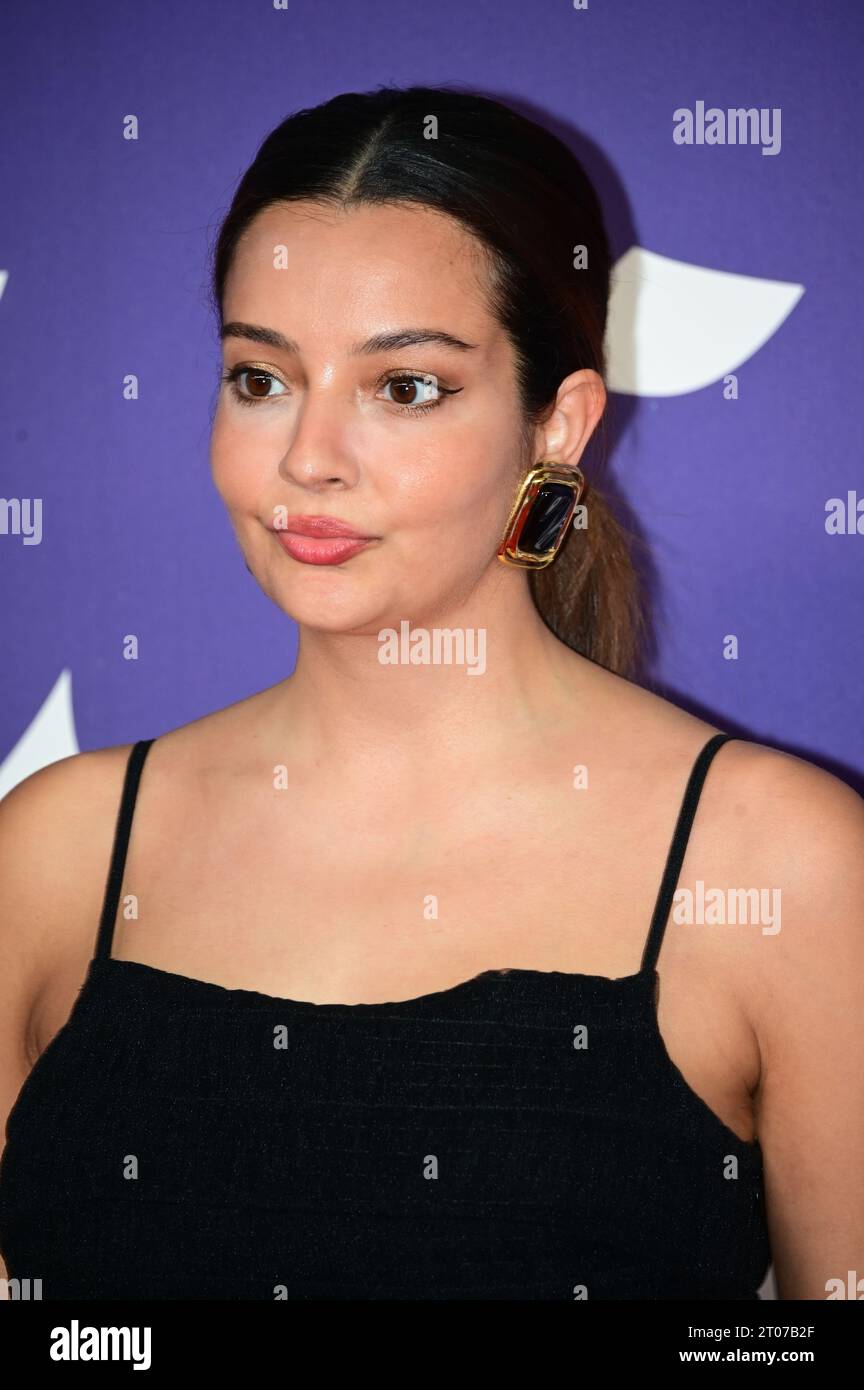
(105, 243)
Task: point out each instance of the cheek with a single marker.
(238, 467)
(465, 488)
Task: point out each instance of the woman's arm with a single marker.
(19, 837)
(808, 1011)
(55, 839)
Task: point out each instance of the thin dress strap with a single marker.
(676, 850)
(121, 844)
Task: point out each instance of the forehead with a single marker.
(308, 266)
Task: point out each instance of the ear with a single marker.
(579, 404)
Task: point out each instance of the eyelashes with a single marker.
(232, 378)
(427, 380)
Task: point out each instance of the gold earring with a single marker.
(540, 516)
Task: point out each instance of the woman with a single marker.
(378, 1006)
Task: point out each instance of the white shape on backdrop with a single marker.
(675, 327)
(49, 737)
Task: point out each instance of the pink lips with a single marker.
(320, 540)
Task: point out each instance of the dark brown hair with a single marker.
(527, 200)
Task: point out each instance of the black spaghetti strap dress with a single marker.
(522, 1135)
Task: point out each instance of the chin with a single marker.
(341, 608)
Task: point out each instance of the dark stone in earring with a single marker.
(546, 517)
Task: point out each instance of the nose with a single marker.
(317, 456)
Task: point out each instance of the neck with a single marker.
(445, 692)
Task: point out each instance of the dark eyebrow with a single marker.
(382, 342)
(409, 337)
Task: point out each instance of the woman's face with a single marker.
(327, 431)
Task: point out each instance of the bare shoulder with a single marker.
(56, 830)
(777, 820)
(60, 797)
(56, 833)
(57, 827)
(785, 827)
(790, 813)
(798, 821)
(766, 819)
(805, 827)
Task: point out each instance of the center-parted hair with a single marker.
(525, 197)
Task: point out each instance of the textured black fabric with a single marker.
(459, 1145)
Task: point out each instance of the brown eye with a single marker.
(404, 390)
(258, 384)
(413, 391)
(258, 387)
